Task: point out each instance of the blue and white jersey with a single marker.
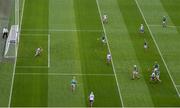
(108, 56)
(153, 75)
(142, 27)
(91, 97)
(73, 81)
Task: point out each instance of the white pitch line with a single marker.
(177, 85)
(170, 26)
(118, 86)
(49, 50)
(32, 67)
(64, 74)
(157, 48)
(61, 30)
(34, 34)
(14, 68)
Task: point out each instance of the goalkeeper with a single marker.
(38, 51)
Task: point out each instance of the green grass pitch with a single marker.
(69, 32)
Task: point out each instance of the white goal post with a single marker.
(10, 49)
(12, 42)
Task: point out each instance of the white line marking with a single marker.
(14, 68)
(111, 55)
(49, 50)
(32, 67)
(157, 47)
(170, 26)
(64, 74)
(35, 34)
(60, 30)
(177, 85)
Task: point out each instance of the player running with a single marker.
(157, 73)
(153, 76)
(142, 28)
(156, 66)
(91, 99)
(103, 39)
(105, 19)
(164, 19)
(108, 58)
(73, 84)
(38, 51)
(135, 73)
(145, 45)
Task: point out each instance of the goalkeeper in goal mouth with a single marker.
(38, 51)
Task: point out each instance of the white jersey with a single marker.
(153, 74)
(142, 27)
(108, 56)
(5, 30)
(105, 17)
(38, 49)
(91, 97)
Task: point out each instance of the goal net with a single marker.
(11, 46)
(12, 42)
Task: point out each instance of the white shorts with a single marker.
(103, 41)
(157, 76)
(135, 72)
(145, 46)
(73, 85)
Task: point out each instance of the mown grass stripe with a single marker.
(60, 30)
(93, 56)
(64, 74)
(168, 26)
(157, 47)
(118, 86)
(14, 69)
(33, 88)
(161, 94)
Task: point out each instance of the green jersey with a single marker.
(73, 81)
(136, 69)
(157, 72)
(156, 66)
(164, 18)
